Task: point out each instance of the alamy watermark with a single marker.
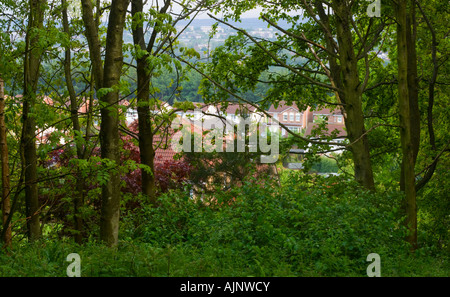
(374, 269)
(74, 268)
(228, 134)
(374, 8)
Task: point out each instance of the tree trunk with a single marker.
(408, 157)
(352, 97)
(108, 76)
(147, 153)
(6, 203)
(78, 199)
(413, 92)
(91, 32)
(28, 141)
(360, 149)
(109, 127)
(431, 93)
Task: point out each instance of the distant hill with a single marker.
(246, 23)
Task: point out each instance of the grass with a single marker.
(48, 259)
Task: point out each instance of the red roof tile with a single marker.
(164, 151)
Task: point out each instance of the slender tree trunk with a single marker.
(91, 32)
(6, 203)
(413, 91)
(408, 158)
(147, 153)
(108, 76)
(109, 128)
(431, 91)
(28, 141)
(78, 199)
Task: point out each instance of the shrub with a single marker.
(308, 226)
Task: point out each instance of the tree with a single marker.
(107, 78)
(33, 52)
(150, 57)
(78, 200)
(6, 203)
(147, 153)
(339, 60)
(326, 56)
(433, 51)
(404, 44)
(409, 24)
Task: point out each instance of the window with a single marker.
(339, 119)
(291, 117)
(285, 117)
(297, 117)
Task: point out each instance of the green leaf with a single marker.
(103, 91)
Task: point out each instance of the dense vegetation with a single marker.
(78, 178)
(310, 226)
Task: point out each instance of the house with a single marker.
(306, 121)
(289, 115)
(334, 119)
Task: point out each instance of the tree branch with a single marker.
(276, 59)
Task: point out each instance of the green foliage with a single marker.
(305, 226)
(310, 226)
(434, 205)
(325, 165)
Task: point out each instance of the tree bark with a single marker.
(78, 199)
(28, 140)
(146, 151)
(352, 96)
(413, 91)
(91, 33)
(108, 76)
(431, 94)
(109, 127)
(6, 202)
(408, 158)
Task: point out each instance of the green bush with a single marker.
(309, 225)
(305, 226)
(325, 165)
